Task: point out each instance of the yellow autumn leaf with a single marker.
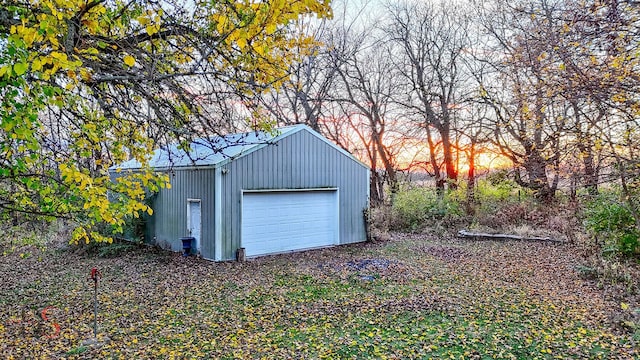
(90, 25)
(143, 20)
(129, 60)
(152, 29)
(619, 97)
(5, 70)
(242, 42)
(221, 21)
(271, 28)
(85, 74)
(36, 65)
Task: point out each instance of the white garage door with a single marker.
(274, 222)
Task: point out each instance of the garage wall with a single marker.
(304, 161)
(169, 220)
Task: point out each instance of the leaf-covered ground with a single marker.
(414, 296)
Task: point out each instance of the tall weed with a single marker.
(416, 207)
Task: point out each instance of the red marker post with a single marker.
(95, 276)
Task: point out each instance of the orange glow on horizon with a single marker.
(484, 161)
(418, 153)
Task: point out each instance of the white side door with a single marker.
(194, 221)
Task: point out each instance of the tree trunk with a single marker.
(386, 162)
(376, 190)
(434, 162)
(590, 173)
(585, 146)
(538, 180)
(471, 180)
(447, 150)
(628, 198)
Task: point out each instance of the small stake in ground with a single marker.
(95, 276)
(94, 342)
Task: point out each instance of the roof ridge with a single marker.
(202, 151)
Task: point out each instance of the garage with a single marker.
(263, 192)
(281, 221)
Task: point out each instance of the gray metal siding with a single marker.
(298, 161)
(169, 221)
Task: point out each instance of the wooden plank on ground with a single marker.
(478, 235)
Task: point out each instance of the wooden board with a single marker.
(468, 234)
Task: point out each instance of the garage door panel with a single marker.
(275, 222)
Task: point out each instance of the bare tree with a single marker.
(304, 96)
(561, 70)
(431, 40)
(528, 112)
(365, 95)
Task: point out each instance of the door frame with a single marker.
(199, 239)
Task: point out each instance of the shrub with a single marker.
(613, 222)
(492, 191)
(500, 202)
(413, 208)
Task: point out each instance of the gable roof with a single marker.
(220, 150)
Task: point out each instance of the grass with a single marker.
(414, 296)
